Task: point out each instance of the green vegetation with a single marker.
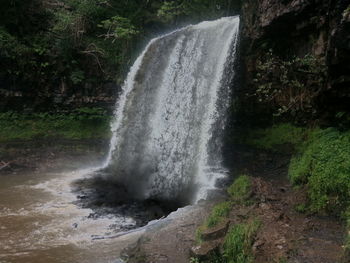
(282, 260)
(277, 135)
(301, 208)
(321, 162)
(324, 166)
(44, 43)
(239, 191)
(217, 215)
(237, 246)
(180, 10)
(194, 260)
(198, 235)
(290, 86)
(238, 243)
(83, 123)
(213, 258)
(219, 212)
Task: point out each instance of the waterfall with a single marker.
(170, 117)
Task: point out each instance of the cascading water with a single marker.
(170, 118)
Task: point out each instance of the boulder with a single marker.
(206, 249)
(216, 232)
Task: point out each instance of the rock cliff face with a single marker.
(288, 27)
(296, 28)
(62, 97)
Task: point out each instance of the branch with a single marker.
(3, 165)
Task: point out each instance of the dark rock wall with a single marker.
(289, 27)
(61, 97)
(296, 28)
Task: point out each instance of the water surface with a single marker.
(39, 222)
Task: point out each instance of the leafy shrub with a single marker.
(194, 260)
(324, 165)
(290, 86)
(43, 43)
(173, 11)
(77, 76)
(277, 135)
(240, 189)
(238, 243)
(118, 28)
(169, 11)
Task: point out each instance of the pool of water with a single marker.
(40, 222)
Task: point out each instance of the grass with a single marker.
(84, 123)
(324, 166)
(238, 243)
(321, 162)
(273, 137)
(239, 191)
(300, 208)
(198, 235)
(237, 246)
(218, 214)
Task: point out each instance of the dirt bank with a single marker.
(286, 234)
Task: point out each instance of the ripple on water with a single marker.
(50, 221)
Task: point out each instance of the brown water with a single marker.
(40, 223)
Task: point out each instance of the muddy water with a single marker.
(39, 222)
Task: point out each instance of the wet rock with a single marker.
(217, 231)
(93, 216)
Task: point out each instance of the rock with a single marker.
(279, 247)
(265, 206)
(281, 241)
(258, 244)
(338, 54)
(206, 249)
(297, 27)
(217, 231)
